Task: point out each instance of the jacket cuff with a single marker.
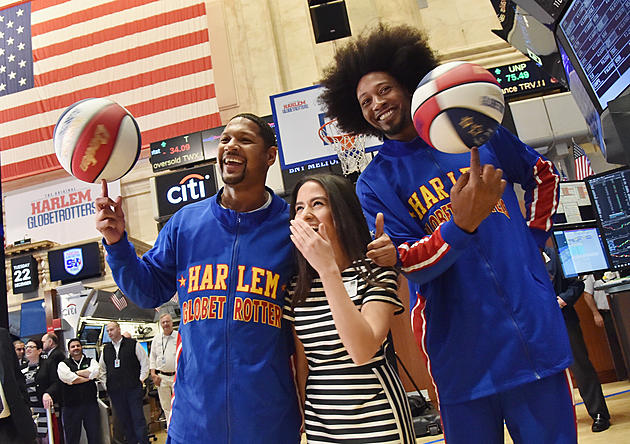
(455, 236)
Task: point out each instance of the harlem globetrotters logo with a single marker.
(73, 261)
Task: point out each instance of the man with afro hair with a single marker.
(484, 312)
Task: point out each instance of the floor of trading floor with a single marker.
(618, 400)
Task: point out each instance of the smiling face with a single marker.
(32, 352)
(242, 155)
(313, 206)
(76, 350)
(386, 105)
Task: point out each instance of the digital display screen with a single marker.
(176, 152)
(610, 193)
(598, 32)
(145, 346)
(582, 97)
(75, 263)
(531, 37)
(90, 353)
(90, 334)
(581, 250)
(523, 78)
(574, 204)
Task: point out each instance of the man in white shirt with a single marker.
(78, 374)
(124, 366)
(162, 362)
(598, 304)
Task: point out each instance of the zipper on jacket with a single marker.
(517, 328)
(231, 294)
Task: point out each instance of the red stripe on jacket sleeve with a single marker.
(423, 253)
(544, 196)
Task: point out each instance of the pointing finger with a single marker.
(104, 190)
(475, 166)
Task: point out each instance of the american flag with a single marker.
(152, 57)
(119, 300)
(582, 164)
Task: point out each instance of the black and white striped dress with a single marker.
(37, 407)
(346, 402)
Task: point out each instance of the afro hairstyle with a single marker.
(401, 51)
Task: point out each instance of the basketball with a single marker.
(456, 106)
(97, 139)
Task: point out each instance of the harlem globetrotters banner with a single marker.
(61, 211)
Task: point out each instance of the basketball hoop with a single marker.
(350, 148)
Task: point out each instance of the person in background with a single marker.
(342, 310)
(42, 385)
(597, 302)
(78, 374)
(16, 422)
(162, 362)
(18, 345)
(124, 366)
(483, 310)
(50, 342)
(568, 292)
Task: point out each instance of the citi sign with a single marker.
(189, 189)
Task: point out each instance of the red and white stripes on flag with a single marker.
(152, 57)
(582, 164)
(119, 302)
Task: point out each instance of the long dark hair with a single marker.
(350, 226)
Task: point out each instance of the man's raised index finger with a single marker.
(104, 190)
(475, 165)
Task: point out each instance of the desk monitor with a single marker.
(580, 249)
(90, 334)
(145, 346)
(90, 353)
(610, 193)
(574, 204)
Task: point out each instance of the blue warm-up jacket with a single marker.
(483, 308)
(233, 382)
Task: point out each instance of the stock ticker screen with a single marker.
(610, 193)
(598, 32)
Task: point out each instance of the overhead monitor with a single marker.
(581, 249)
(531, 37)
(75, 263)
(610, 193)
(595, 36)
(582, 98)
(574, 204)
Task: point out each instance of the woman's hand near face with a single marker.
(314, 246)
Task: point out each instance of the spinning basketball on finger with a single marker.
(482, 307)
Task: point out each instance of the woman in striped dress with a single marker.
(37, 375)
(342, 305)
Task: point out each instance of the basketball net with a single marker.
(350, 148)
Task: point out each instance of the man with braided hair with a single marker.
(483, 309)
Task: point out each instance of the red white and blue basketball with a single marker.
(97, 139)
(456, 106)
